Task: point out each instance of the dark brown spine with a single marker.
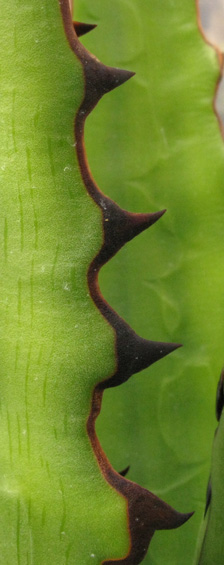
(81, 28)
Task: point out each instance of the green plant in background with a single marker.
(210, 545)
(158, 145)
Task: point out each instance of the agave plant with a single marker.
(152, 144)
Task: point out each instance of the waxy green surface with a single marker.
(55, 506)
(159, 146)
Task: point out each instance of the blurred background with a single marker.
(212, 20)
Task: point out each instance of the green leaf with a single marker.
(155, 144)
(52, 335)
(61, 343)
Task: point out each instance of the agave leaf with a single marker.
(61, 343)
(159, 146)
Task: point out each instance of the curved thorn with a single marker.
(100, 79)
(208, 496)
(162, 515)
(134, 353)
(146, 511)
(138, 353)
(105, 78)
(147, 514)
(121, 226)
(125, 471)
(82, 28)
(220, 396)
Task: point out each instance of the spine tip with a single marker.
(208, 496)
(220, 396)
(125, 471)
(100, 80)
(82, 28)
(140, 353)
(121, 226)
(134, 353)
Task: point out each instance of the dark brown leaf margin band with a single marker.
(146, 512)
